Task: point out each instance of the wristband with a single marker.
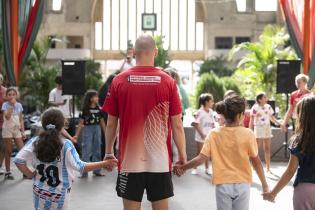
(107, 155)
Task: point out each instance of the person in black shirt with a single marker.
(91, 122)
(302, 159)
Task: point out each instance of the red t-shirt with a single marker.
(143, 98)
(295, 97)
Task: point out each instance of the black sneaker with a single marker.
(8, 175)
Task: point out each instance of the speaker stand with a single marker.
(286, 137)
(73, 108)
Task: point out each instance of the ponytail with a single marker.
(231, 107)
(48, 146)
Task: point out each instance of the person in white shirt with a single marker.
(260, 116)
(56, 99)
(127, 63)
(204, 123)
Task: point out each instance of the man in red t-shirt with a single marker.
(145, 102)
(301, 81)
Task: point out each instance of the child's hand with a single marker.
(178, 169)
(110, 164)
(269, 196)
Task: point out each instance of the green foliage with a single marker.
(256, 71)
(218, 65)
(38, 78)
(162, 59)
(93, 79)
(230, 84)
(210, 83)
(259, 62)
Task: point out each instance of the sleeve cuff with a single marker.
(19, 161)
(82, 167)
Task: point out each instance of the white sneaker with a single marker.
(194, 172)
(208, 171)
(1, 171)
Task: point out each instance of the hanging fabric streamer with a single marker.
(21, 20)
(299, 16)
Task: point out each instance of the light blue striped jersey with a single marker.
(53, 181)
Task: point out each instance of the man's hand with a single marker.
(177, 169)
(110, 157)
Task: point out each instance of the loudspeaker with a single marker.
(286, 73)
(73, 77)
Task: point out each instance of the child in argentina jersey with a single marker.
(55, 161)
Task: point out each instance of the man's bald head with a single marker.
(145, 43)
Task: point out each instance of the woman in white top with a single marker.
(260, 116)
(204, 123)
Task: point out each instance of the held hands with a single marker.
(112, 161)
(109, 164)
(178, 167)
(269, 196)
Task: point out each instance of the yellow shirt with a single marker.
(230, 149)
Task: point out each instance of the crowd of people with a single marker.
(142, 108)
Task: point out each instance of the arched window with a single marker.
(176, 22)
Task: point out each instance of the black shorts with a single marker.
(131, 186)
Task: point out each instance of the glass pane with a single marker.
(132, 21)
(157, 10)
(174, 24)
(115, 24)
(166, 23)
(148, 6)
(182, 24)
(191, 24)
(98, 35)
(266, 5)
(199, 35)
(106, 25)
(123, 25)
(140, 10)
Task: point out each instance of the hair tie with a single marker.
(50, 126)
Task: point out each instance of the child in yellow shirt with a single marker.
(231, 149)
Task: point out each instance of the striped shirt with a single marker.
(53, 181)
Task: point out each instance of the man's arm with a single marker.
(110, 134)
(179, 137)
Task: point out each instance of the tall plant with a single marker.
(162, 59)
(257, 69)
(38, 78)
(218, 65)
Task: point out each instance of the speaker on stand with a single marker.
(73, 83)
(287, 70)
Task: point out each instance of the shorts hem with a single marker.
(165, 196)
(130, 199)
